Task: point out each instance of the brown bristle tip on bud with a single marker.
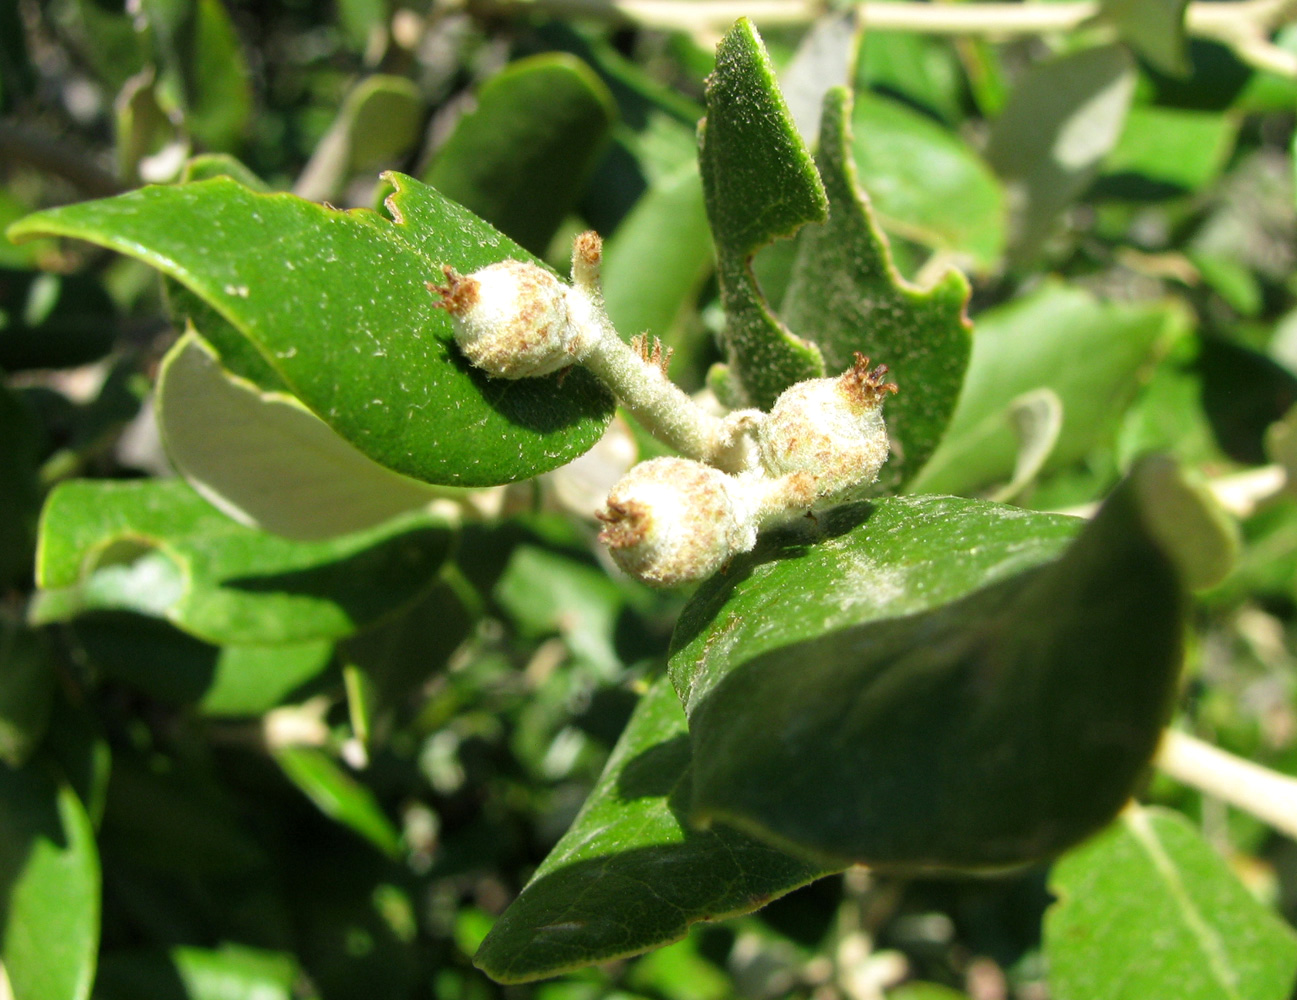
(624, 524)
(588, 246)
(869, 385)
(458, 294)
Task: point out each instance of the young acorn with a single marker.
(670, 521)
(514, 319)
(831, 428)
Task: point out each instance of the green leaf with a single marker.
(1062, 118)
(937, 683)
(631, 874)
(219, 84)
(339, 796)
(521, 158)
(26, 692)
(1181, 148)
(927, 184)
(760, 184)
(49, 882)
(299, 280)
(846, 296)
(229, 972)
(1092, 355)
(157, 548)
(1154, 28)
(205, 166)
(545, 592)
(1147, 903)
(922, 69)
(177, 669)
(379, 121)
(274, 465)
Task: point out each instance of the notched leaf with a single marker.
(847, 296)
(760, 183)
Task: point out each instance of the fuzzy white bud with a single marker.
(512, 319)
(671, 521)
(829, 428)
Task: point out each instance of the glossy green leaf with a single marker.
(760, 184)
(339, 796)
(1092, 355)
(926, 183)
(1147, 903)
(846, 296)
(631, 874)
(1154, 29)
(1062, 118)
(521, 158)
(274, 465)
(49, 881)
(336, 303)
(157, 548)
(26, 692)
(940, 683)
(380, 120)
(230, 972)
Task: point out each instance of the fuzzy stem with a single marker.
(1266, 794)
(1243, 25)
(664, 409)
(641, 383)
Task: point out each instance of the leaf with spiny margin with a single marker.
(760, 183)
(157, 548)
(521, 157)
(1147, 903)
(336, 303)
(939, 683)
(846, 296)
(631, 874)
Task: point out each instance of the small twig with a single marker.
(1266, 794)
(23, 144)
(637, 375)
(1244, 25)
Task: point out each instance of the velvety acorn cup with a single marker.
(511, 319)
(830, 428)
(671, 521)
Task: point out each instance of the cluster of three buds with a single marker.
(671, 521)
